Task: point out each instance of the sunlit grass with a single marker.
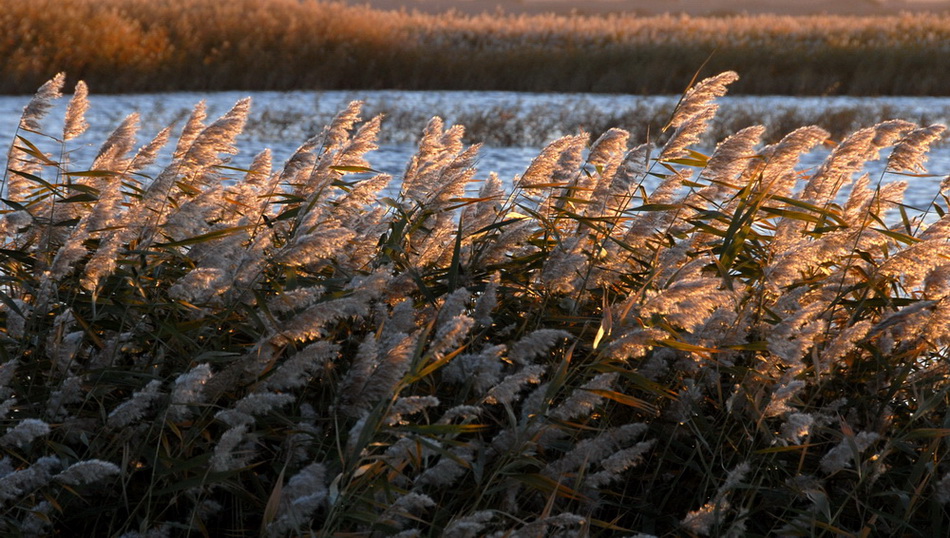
(284, 351)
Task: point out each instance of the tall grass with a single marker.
(282, 351)
(534, 120)
(141, 45)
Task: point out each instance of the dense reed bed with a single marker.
(281, 351)
(144, 45)
(534, 120)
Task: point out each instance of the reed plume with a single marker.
(288, 350)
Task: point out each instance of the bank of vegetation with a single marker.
(143, 45)
(281, 350)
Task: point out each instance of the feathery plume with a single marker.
(87, 472)
(842, 343)
(646, 224)
(70, 392)
(76, 123)
(41, 102)
(464, 413)
(687, 135)
(301, 161)
(37, 475)
(907, 325)
(778, 172)
(780, 397)
(408, 405)
(199, 285)
(849, 157)
(147, 154)
(486, 302)
(406, 506)
(508, 390)
(192, 129)
(6, 407)
(218, 138)
(303, 494)
(607, 152)
(337, 133)
(628, 178)
(564, 265)
(38, 521)
(542, 526)
(697, 99)
(188, 390)
(112, 152)
(334, 148)
(24, 432)
(591, 451)
(913, 263)
(796, 427)
(470, 526)
(731, 157)
(135, 407)
(353, 149)
(483, 370)
(374, 373)
(843, 454)
(449, 468)
(296, 299)
(688, 302)
(703, 520)
(553, 167)
(535, 344)
(693, 113)
(297, 371)
(449, 334)
(8, 369)
(607, 156)
(102, 263)
(453, 305)
(254, 404)
(350, 206)
(309, 323)
(17, 186)
(795, 334)
(583, 400)
(486, 210)
(937, 283)
(223, 458)
(617, 463)
(910, 153)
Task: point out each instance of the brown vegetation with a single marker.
(140, 45)
(703, 8)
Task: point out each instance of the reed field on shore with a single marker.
(280, 350)
(143, 45)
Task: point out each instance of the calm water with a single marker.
(512, 126)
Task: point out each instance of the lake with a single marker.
(511, 126)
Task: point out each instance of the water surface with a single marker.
(512, 127)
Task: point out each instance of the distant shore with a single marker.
(127, 46)
(703, 8)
